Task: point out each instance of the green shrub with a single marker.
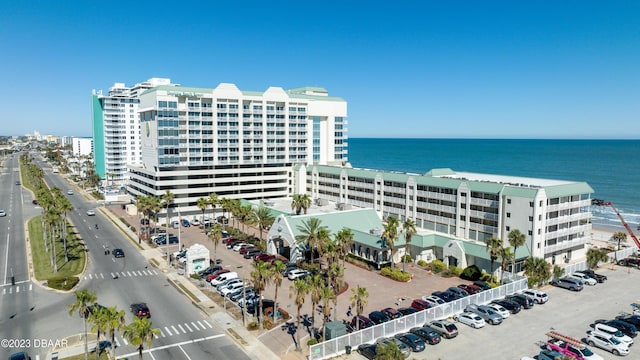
(406, 258)
(395, 274)
(312, 342)
(454, 270)
(267, 323)
(252, 326)
(437, 266)
(63, 282)
(471, 273)
(195, 276)
(421, 262)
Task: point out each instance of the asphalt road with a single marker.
(567, 312)
(185, 332)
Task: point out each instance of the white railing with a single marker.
(337, 346)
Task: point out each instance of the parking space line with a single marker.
(185, 353)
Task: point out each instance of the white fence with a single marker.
(337, 346)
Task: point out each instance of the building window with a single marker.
(530, 232)
(508, 228)
(539, 231)
(530, 218)
(508, 201)
(508, 214)
(530, 203)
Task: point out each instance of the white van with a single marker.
(223, 277)
(609, 331)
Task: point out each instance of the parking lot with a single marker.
(567, 312)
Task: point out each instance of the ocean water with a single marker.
(610, 167)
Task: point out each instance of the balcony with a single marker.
(550, 249)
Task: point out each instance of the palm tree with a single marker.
(275, 276)
(516, 239)
(142, 204)
(336, 274)
(315, 284)
(115, 322)
(296, 203)
(619, 236)
(324, 237)
(537, 270)
(245, 214)
(505, 256)
(263, 218)
(99, 320)
(213, 202)
(409, 227)
(595, 256)
(305, 201)
(390, 234)
(65, 206)
(299, 289)
(326, 296)
(359, 300)
(202, 204)
(309, 233)
(493, 247)
(344, 239)
(167, 199)
(84, 299)
(139, 333)
(260, 278)
(215, 235)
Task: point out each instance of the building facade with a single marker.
(82, 146)
(116, 129)
(237, 144)
(468, 208)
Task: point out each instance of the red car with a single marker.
(420, 304)
(471, 289)
(140, 310)
(216, 273)
(244, 248)
(229, 240)
(264, 257)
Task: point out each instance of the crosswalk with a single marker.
(17, 289)
(174, 330)
(119, 274)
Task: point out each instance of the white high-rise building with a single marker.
(82, 146)
(237, 144)
(116, 129)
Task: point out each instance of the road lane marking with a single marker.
(113, 275)
(168, 331)
(174, 329)
(209, 325)
(129, 273)
(125, 341)
(4, 291)
(6, 261)
(194, 325)
(182, 329)
(185, 353)
(161, 333)
(149, 351)
(145, 272)
(187, 326)
(102, 276)
(30, 287)
(156, 336)
(18, 289)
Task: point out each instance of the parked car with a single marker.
(458, 292)
(584, 278)
(447, 296)
(630, 319)
(581, 352)
(232, 287)
(140, 310)
(630, 261)
(363, 322)
(513, 307)
(608, 331)
(239, 293)
(524, 301)
(433, 300)
(568, 283)
(609, 343)
(368, 351)
(549, 355)
(195, 222)
(482, 284)
(244, 248)
(233, 243)
(414, 342)
(228, 282)
(625, 327)
(251, 253)
(404, 349)
(420, 304)
(264, 257)
(470, 289)
(210, 270)
(486, 313)
(471, 319)
(239, 245)
(539, 297)
(223, 277)
(391, 313)
(427, 334)
(378, 317)
(500, 310)
(297, 274)
(445, 328)
(407, 311)
(599, 277)
(252, 307)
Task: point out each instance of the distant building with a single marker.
(82, 146)
(116, 129)
(238, 144)
(65, 140)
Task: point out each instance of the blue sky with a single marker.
(461, 69)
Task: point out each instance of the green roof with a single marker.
(568, 189)
(479, 250)
(293, 93)
(522, 192)
(361, 220)
(275, 213)
(440, 172)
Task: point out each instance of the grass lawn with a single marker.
(42, 260)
